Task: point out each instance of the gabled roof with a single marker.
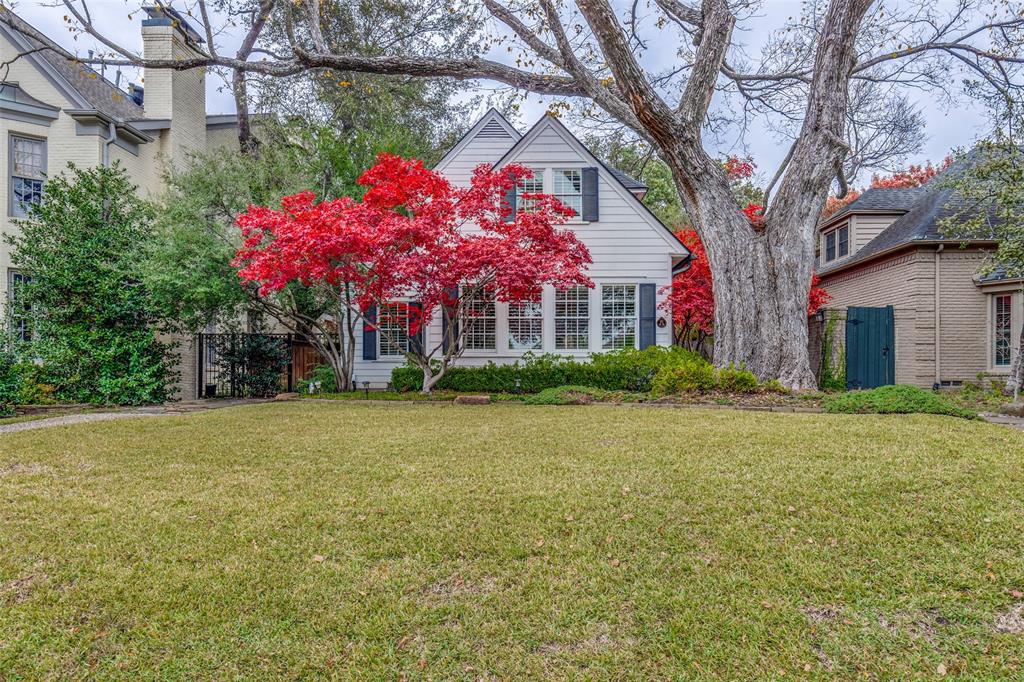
(491, 125)
(617, 176)
(84, 86)
(925, 209)
(879, 200)
(627, 181)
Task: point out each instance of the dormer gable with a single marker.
(486, 141)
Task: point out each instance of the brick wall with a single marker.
(907, 282)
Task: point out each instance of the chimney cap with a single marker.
(165, 15)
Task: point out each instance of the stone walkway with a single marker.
(1004, 419)
(167, 410)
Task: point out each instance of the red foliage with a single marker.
(913, 176)
(691, 298)
(414, 235)
(739, 169)
(755, 214)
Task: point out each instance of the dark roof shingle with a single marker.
(100, 93)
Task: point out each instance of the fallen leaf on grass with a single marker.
(318, 558)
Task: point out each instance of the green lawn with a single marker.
(424, 541)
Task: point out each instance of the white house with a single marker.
(634, 256)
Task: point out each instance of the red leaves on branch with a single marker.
(738, 169)
(913, 176)
(414, 235)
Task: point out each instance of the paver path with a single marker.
(153, 411)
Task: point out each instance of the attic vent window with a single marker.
(493, 130)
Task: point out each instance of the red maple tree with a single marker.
(418, 248)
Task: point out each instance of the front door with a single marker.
(870, 347)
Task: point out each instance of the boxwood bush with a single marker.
(622, 370)
(898, 399)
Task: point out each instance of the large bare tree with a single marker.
(804, 80)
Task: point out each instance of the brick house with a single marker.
(910, 307)
(54, 111)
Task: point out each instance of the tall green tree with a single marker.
(93, 327)
(988, 203)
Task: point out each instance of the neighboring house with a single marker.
(54, 111)
(946, 325)
(633, 253)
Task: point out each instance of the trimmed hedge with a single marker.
(621, 370)
(898, 399)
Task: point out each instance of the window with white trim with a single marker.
(1001, 319)
(20, 325)
(479, 320)
(28, 166)
(618, 316)
(572, 319)
(568, 188)
(837, 243)
(525, 325)
(534, 185)
(393, 330)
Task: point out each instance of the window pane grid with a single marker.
(1002, 330)
(572, 319)
(525, 325)
(28, 165)
(393, 329)
(569, 188)
(534, 185)
(830, 246)
(20, 326)
(618, 316)
(480, 324)
(844, 241)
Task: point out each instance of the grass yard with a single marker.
(424, 541)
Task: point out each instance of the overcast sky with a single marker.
(945, 129)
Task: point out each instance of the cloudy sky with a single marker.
(946, 129)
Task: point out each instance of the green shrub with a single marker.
(10, 385)
(620, 370)
(322, 377)
(688, 378)
(899, 399)
(255, 362)
(737, 380)
(566, 395)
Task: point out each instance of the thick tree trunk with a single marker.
(762, 277)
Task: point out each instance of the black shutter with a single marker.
(370, 333)
(647, 315)
(590, 202)
(448, 311)
(510, 199)
(416, 317)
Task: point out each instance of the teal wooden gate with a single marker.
(870, 347)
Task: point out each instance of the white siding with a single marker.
(627, 245)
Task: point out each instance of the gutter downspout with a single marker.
(938, 319)
(111, 136)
